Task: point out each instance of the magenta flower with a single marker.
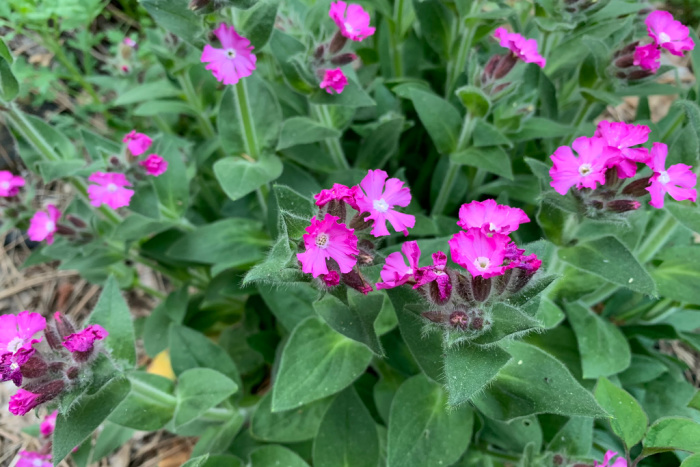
(648, 57)
(334, 80)
(33, 459)
(331, 279)
(129, 42)
(480, 254)
(23, 402)
(17, 331)
(379, 200)
(137, 143)
(11, 365)
(48, 424)
(530, 263)
(622, 137)
(619, 462)
(109, 190)
(436, 273)
(84, 341)
(668, 33)
(10, 184)
(678, 180)
(154, 165)
(525, 49)
(352, 20)
(338, 193)
(42, 226)
(395, 271)
(327, 239)
(235, 60)
(491, 217)
(584, 171)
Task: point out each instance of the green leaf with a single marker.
(355, 321)
(678, 278)
(575, 437)
(422, 430)
(507, 322)
(629, 421)
(157, 107)
(112, 313)
(239, 177)
(139, 410)
(435, 21)
(198, 390)
(347, 436)
(295, 210)
(538, 127)
(642, 370)
(9, 87)
(290, 305)
(176, 18)
(475, 100)
(216, 439)
(486, 134)
(151, 90)
(439, 117)
(290, 426)
(512, 436)
(469, 368)
(275, 455)
(673, 433)
(110, 438)
(172, 187)
(329, 361)
(274, 265)
(303, 130)
(689, 216)
(378, 146)
(692, 112)
(608, 258)
(692, 461)
(156, 330)
(5, 52)
(256, 24)
(490, 158)
(604, 349)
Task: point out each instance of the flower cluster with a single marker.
(42, 457)
(611, 156)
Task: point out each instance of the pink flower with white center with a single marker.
(668, 33)
(619, 462)
(10, 184)
(491, 217)
(33, 459)
(395, 271)
(11, 365)
(584, 171)
(481, 254)
(235, 60)
(338, 193)
(23, 402)
(154, 165)
(42, 226)
(436, 273)
(137, 143)
(525, 49)
(327, 239)
(622, 137)
(17, 331)
(84, 341)
(109, 190)
(648, 57)
(678, 180)
(379, 198)
(334, 80)
(48, 424)
(352, 20)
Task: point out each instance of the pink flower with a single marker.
(339, 193)
(584, 171)
(530, 263)
(9, 184)
(23, 402)
(33, 459)
(395, 272)
(48, 424)
(619, 462)
(11, 365)
(84, 341)
(109, 190)
(678, 180)
(327, 239)
(525, 49)
(334, 80)
(480, 254)
(352, 20)
(668, 33)
(138, 143)
(235, 60)
(379, 200)
(647, 57)
(622, 137)
(42, 226)
(17, 331)
(154, 165)
(331, 279)
(491, 217)
(436, 273)
(129, 42)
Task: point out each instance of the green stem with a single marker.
(76, 74)
(193, 99)
(335, 149)
(395, 43)
(578, 120)
(457, 67)
(150, 291)
(446, 188)
(245, 114)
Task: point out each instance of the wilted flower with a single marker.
(24, 401)
(84, 340)
(648, 57)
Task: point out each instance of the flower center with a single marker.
(349, 28)
(5, 185)
(231, 54)
(482, 263)
(663, 37)
(664, 178)
(14, 345)
(381, 205)
(14, 366)
(492, 227)
(409, 271)
(111, 187)
(322, 241)
(50, 226)
(37, 462)
(585, 169)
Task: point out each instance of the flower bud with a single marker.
(357, 281)
(501, 282)
(611, 178)
(76, 221)
(359, 223)
(639, 74)
(320, 50)
(623, 205)
(336, 208)
(198, 4)
(459, 320)
(476, 321)
(481, 288)
(558, 459)
(637, 188)
(498, 67)
(52, 337)
(338, 42)
(47, 391)
(35, 367)
(64, 327)
(439, 291)
(434, 316)
(72, 372)
(596, 204)
(331, 279)
(62, 229)
(343, 59)
(464, 287)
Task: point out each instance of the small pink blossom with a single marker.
(334, 80)
(33, 459)
(48, 424)
(436, 273)
(11, 365)
(331, 279)
(9, 184)
(530, 263)
(327, 239)
(623, 136)
(129, 42)
(678, 180)
(84, 341)
(619, 462)
(525, 49)
(109, 190)
(480, 254)
(154, 165)
(137, 143)
(379, 200)
(352, 20)
(668, 33)
(395, 271)
(17, 331)
(648, 57)
(42, 226)
(24, 401)
(338, 193)
(490, 217)
(235, 60)
(584, 171)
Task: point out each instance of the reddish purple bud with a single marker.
(343, 59)
(359, 223)
(637, 188)
(481, 288)
(357, 281)
(338, 42)
(434, 316)
(320, 50)
(76, 221)
(63, 325)
(35, 366)
(73, 372)
(623, 205)
(477, 321)
(464, 288)
(459, 320)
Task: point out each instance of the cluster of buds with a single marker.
(337, 243)
(498, 66)
(125, 54)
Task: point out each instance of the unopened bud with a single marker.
(505, 64)
(52, 337)
(481, 288)
(337, 43)
(434, 316)
(47, 391)
(558, 459)
(501, 282)
(114, 160)
(64, 230)
(459, 320)
(336, 208)
(198, 4)
(343, 59)
(464, 288)
(76, 221)
(623, 205)
(476, 322)
(73, 372)
(357, 281)
(597, 204)
(359, 223)
(320, 50)
(35, 367)
(637, 188)
(439, 290)
(63, 325)
(639, 74)
(611, 178)
(625, 61)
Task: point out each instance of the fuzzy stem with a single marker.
(332, 144)
(245, 114)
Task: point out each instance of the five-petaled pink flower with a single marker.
(436, 273)
(17, 331)
(48, 424)
(395, 271)
(42, 226)
(622, 137)
(235, 60)
(619, 462)
(23, 402)
(525, 49)
(379, 201)
(154, 165)
(10, 184)
(584, 171)
(338, 193)
(648, 57)
(33, 459)
(334, 80)
(352, 20)
(481, 254)
(109, 190)
(678, 180)
(11, 365)
(84, 340)
(668, 33)
(491, 217)
(137, 143)
(327, 239)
